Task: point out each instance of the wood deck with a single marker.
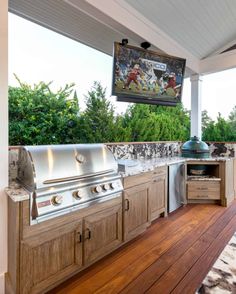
(172, 256)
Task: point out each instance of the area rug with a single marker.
(221, 279)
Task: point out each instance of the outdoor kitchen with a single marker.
(127, 185)
(92, 199)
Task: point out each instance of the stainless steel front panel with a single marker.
(176, 186)
(43, 166)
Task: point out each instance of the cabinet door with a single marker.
(158, 197)
(50, 257)
(234, 178)
(229, 181)
(102, 233)
(136, 216)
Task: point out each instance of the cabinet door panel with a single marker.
(229, 181)
(46, 257)
(158, 197)
(136, 216)
(103, 232)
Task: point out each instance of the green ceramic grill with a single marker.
(195, 148)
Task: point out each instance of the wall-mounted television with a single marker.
(143, 76)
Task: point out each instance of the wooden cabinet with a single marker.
(203, 190)
(158, 194)
(234, 178)
(219, 184)
(49, 256)
(45, 254)
(145, 199)
(228, 183)
(136, 214)
(102, 233)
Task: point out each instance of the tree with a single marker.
(218, 131)
(37, 115)
(155, 123)
(206, 120)
(98, 122)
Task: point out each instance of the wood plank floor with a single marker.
(172, 256)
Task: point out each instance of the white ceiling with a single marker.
(198, 30)
(201, 26)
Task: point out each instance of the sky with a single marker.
(38, 54)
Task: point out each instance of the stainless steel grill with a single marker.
(64, 178)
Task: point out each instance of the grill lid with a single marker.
(195, 148)
(42, 166)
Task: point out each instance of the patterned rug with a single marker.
(221, 279)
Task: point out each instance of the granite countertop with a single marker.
(16, 192)
(145, 165)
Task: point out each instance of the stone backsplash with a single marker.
(144, 150)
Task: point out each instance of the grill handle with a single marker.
(126, 204)
(88, 235)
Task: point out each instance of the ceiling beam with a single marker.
(126, 15)
(219, 62)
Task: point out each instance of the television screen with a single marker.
(143, 76)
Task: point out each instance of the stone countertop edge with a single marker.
(16, 192)
(145, 165)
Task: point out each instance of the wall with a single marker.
(3, 138)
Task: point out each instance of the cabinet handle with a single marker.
(79, 237)
(88, 237)
(126, 204)
(202, 196)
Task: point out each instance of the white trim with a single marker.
(196, 106)
(218, 63)
(126, 15)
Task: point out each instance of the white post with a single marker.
(3, 139)
(196, 106)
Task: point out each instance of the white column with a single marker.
(3, 138)
(196, 106)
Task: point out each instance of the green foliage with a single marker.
(98, 122)
(221, 130)
(39, 116)
(157, 123)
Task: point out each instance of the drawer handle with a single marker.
(88, 237)
(126, 204)
(79, 237)
(203, 189)
(202, 196)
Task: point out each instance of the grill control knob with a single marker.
(106, 187)
(57, 200)
(112, 185)
(98, 189)
(77, 195)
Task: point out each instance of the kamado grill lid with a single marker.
(195, 148)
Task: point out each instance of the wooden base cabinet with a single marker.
(49, 256)
(102, 233)
(221, 188)
(145, 199)
(158, 195)
(136, 216)
(43, 255)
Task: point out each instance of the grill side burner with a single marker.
(64, 178)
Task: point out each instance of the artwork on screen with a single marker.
(144, 76)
